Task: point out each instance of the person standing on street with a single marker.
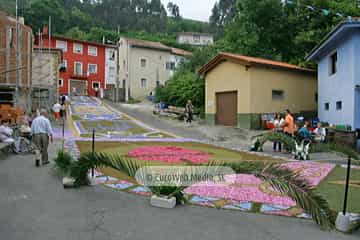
(42, 132)
(56, 109)
(278, 120)
(288, 125)
(189, 109)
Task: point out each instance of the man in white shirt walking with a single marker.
(41, 131)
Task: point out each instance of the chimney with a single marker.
(45, 30)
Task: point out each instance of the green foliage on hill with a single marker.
(75, 17)
(271, 29)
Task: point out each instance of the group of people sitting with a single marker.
(34, 128)
(287, 125)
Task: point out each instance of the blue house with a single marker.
(338, 59)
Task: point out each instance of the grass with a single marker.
(334, 193)
(122, 148)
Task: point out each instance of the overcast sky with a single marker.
(194, 9)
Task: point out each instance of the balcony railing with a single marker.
(79, 75)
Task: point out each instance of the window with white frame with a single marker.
(78, 68)
(95, 85)
(92, 51)
(197, 38)
(111, 72)
(61, 82)
(327, 106)
(61, 45)
(339, 105)
(92, 68)
(143, 82)
(170, 66)
(78, 48)
(65, 63)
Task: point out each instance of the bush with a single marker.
(183, 86)
(63, 162)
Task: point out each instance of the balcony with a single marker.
(79, 75)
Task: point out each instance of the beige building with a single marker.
(240, 89)
(46, 77)
(143, 65)
(196, 39)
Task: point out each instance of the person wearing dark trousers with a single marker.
(189, 109)
(42, 132)
(278, 120)
(288, 125)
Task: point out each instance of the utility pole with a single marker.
(117, 71)
(17, 57)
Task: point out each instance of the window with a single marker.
(157, 83)
(112, 55)
(11, 36)
(170, 66)
(316, 97)
(92, 68)
(143, 62)
(277, 94)
(327, 106)
(124, 64)
(92, 51)
(123, 83)
(65, 63)
(78, 68)
(61, 82)
(196, 38)
(78, 48)
(333, 63)
(61, 45)
(143, 82)
(95, 85)
(339, 105)
(112, 72)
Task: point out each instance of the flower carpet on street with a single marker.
(169, 154)
(246, 189)
(122, 135)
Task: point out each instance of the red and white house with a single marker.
(84, 63)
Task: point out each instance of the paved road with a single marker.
(154, 121)
(33, 205)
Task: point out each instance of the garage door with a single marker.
(78, 88)
(226, 108)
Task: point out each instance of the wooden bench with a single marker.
(175, 110)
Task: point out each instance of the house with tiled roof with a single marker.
(338, 59)
(240, 90)
(195, 38)
(144, 65)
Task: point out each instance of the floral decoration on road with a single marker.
(169, 154)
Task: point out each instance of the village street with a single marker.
(36, 206)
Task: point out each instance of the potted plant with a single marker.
(63, 165)
(167, 196)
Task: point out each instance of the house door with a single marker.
(226, 108)
(357, 108)
(78, 88)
